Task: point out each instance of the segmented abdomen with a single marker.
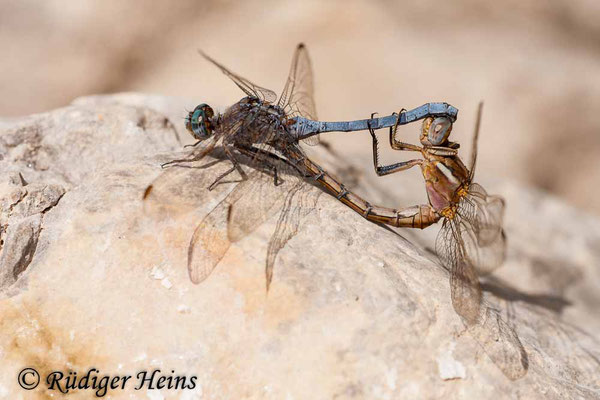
(412, 217)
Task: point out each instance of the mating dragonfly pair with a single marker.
(266, 131)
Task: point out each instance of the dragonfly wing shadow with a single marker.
(501, 343)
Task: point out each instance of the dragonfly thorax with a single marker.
(447, 181)
(200, 122)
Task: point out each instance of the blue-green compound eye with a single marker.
(199, 122)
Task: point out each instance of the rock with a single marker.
(354, 310)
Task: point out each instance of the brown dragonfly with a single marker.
(471, 241)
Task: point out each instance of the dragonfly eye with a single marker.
(199, 122)
(436, 130)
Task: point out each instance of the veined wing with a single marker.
(247, 207)
(297, 95)
(481, 218)
(300, 200)
(247, 87)
(464, 284)
(208, 244)
(294, 199)
(240, 213)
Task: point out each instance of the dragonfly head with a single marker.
(200, 122)
(435, 131)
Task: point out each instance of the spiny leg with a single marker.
(193, 144)
(235, 166)
(195, 157)
(375, 145)
(396, 144)
(387, 169)
(267, 158)
(450, 150)
(183, 160)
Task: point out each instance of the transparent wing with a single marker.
(464, 284)
(175, 193)
(297, 95)
(300, 200)
(481, 228)
(252, 203)
(239, 214)
(208, 244)
(247, 207)
(247, 87)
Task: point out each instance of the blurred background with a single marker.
(536, 64)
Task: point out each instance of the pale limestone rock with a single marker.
(354, 310)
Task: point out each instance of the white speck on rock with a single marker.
(183, 309)
(448, 367)
(72, 335)
(157, 273)
(141, 357)
(167, 283)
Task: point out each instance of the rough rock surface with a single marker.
(93, 276)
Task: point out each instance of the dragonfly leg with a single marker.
(193, 145)
(267, 158)
(388, 169)
(236, 166)
(195, 157)
(396, 144)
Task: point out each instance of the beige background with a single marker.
(535, 63)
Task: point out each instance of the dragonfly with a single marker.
(266, 131)
(471, 241)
